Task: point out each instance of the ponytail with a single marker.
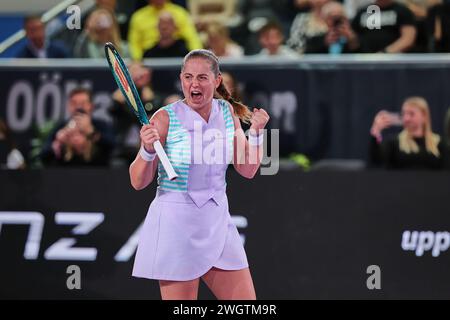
(240, 109)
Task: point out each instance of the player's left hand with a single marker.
(259, 120)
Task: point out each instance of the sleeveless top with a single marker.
(199, 152)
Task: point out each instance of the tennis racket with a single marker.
(128, 89)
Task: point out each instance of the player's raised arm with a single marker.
(143, 168)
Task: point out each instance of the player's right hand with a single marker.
(149, 134)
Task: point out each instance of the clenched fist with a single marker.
(258, 120)
(149, 134)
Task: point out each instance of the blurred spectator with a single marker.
(419, 7)
(167, 45)
(204, 12)
(80, 140)
(302, 5)
(420, 10)
(122, 11)
(353, 6)
(416, 147)
(271, 39)
(106, 4)
(257, 13)
(439, 24)
(307, 25)
(38, 46)
(339, 38)
(101, 27)
(220, 43)
(396, 32)
(10, 156)
(126, 125)
(70, 36)
(143, 31)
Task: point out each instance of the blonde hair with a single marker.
(406, 141)
(105, 18)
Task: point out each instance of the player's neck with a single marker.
(204, 111)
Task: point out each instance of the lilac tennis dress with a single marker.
(188, 228)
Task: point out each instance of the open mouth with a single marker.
(196, 95)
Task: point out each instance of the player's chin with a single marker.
(196, 103)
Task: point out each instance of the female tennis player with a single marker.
(188, 233)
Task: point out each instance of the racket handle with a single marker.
(164, 160)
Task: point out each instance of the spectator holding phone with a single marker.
(80, 140)
(416, 147)
(339, 38)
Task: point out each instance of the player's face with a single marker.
(198, 82)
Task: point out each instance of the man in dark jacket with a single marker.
(37, 46)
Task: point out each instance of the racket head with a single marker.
(125, 82)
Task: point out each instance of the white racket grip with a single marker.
(164, 160)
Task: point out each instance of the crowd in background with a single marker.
(260, 28)
(234, 28)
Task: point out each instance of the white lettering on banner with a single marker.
(36, 222)
(102, 103)
(27, 106)
(63, 249)
(282, 108)
(49, 90)
(127, 251)
(20, 90)
(284, 103)
(422, 241)
(84, 222)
